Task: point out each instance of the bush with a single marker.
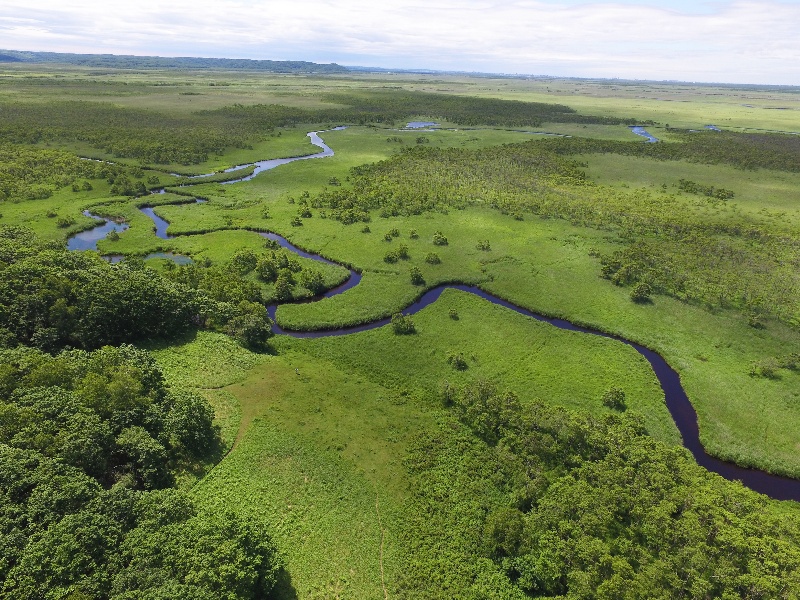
(432, 258)
(483, 245)
(453, 314)
(391, 257)
(402, 252)
(439, 239)
(64, 222)
(457, 361)
(365, 229)
(402, 324)
(413, 234)
(641, 292)
(614, 398)
(416, 276)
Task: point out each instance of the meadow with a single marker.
(426, 465)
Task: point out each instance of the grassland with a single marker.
(320, 430)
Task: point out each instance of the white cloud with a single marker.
(741, 41)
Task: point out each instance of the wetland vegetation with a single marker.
(161, 436)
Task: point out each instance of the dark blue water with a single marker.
(713, 128)
(421, 124)
(641, 131)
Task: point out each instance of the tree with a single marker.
(402, 324)
(641, 292)
(614, 398)
(283, 286)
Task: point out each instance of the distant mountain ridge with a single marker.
(122, 61)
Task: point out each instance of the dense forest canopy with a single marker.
(51, 298)
(569, 506)
(90, 443)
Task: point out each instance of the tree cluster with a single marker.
(547, 503)
(35, 173)
(89, 446)
(51, 298)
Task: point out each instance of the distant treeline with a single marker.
(156, 138)
(126, 61)
(742, 150)
(392, 106)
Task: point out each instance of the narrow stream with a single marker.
(642, 132)
(681, 409)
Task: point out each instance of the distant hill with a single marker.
(121, 61)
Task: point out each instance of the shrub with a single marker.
(243, 262)
(402, 252)
(65, 222)
(391, 257)
(614, 398)
(457, 361)
(439, 239)
(296, 222)
(453, 314)
(402, 324)
(416, 276)
(413, 234)
(483, 245)
(432, 258)
(365, 229)
(641, 292)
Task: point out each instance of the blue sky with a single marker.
(741, 41)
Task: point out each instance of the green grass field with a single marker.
(318, 431)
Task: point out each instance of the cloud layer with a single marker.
(741, 41)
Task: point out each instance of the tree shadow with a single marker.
(283, 590)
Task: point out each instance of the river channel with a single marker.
(681, 409)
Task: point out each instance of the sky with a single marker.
(733, 41)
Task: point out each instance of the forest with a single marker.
(406, 363)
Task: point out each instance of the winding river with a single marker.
(681, 409)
